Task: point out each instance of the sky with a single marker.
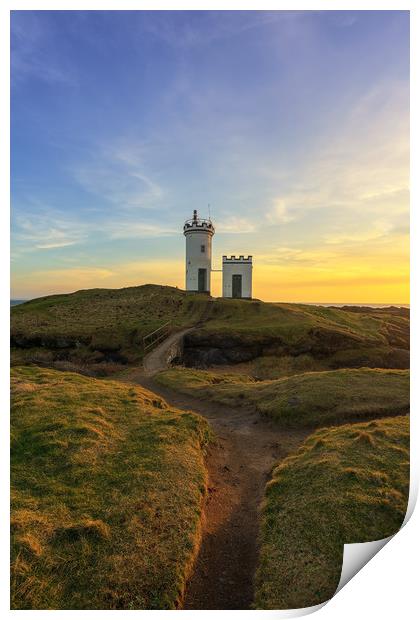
(292, 125)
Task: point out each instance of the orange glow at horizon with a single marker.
(343, 281)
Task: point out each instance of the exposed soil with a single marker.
(239, 464)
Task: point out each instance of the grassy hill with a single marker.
(107, 487)
(97, 325)
(107, 325)
(292, 322)
(306, 400)
(238, 331)
(347, 484)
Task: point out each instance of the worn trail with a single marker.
(239, 464)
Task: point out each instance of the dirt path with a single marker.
(161, 356)
(239, 464)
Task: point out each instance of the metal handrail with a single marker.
(161, 332)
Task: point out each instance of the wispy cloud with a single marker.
(118, 174)
(187, 30)
(375, 230)
(135, 229)
(37, 282)
(236, 225)
(47, 230)
(298, 256)
(79, 274)
(55, 244)
(356, 188)
(278, 212)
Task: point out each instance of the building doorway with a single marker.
(237, 286)
(202, 278)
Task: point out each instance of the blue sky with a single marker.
(294, 126)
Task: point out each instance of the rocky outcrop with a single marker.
(25, 341)
(203, 348)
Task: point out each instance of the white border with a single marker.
(387, 585)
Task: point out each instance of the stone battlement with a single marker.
(237, 259)
(200, 225)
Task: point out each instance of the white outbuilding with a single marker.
(198, 238)
(237, 277)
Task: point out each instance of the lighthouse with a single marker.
(198, 238)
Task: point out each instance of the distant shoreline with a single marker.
(16, 302)
(335, 305)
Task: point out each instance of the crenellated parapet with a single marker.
(200, 225)
(237, 259)
(196, 224)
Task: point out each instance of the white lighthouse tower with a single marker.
(198, 236)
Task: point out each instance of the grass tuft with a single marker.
(89, 529)
(365, 438)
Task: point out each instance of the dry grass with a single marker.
(345, 485)
(107, 488)
(271, 367)
(311, 399)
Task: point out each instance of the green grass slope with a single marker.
(245, 330)
(311, 399)
(292, 322)
(345, 485)
(107, 489)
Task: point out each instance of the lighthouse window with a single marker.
(203, 248)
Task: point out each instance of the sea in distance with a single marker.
(16, 302)
(311, 303)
